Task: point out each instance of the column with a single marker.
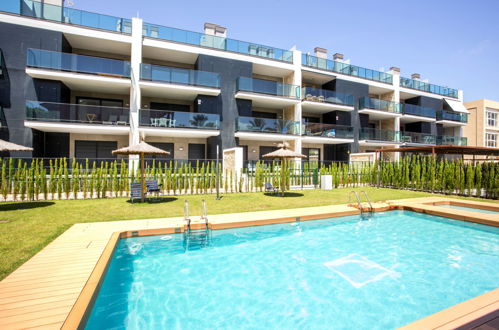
(395, 72)
(135, 95)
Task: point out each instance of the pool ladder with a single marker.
(198, 238)
(359, 203)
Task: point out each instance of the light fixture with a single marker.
(253, 150)
(181, 148)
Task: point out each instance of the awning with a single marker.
(456, 106)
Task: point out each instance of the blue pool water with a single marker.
(381, 273)
(474, 209)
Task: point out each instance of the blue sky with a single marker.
(453, 43)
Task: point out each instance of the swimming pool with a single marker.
(385, 272)
(465, 208)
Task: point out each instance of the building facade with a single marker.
(483, 123)
(80, 84)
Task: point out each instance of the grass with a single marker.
(27, 227)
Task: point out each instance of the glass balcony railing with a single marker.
(44, 59)
(379, 134)
(268, 87)
(452, 140)
(452, 116)
(179, 76)
(344, 68)
(178, 119)
(322, 95)
(45, 11)
(1, 64)
(216, 42)
(426, 87)
(416, 110)
(382, 105)
(414, 137)
(76, 113)
(265, 125)
(327, 130)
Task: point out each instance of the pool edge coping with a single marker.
(457, 315)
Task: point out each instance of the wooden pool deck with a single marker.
(43, 291)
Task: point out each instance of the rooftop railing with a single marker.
(268, 87)
(322, 95)
(382, 105)
(328, 130)
(347, 69)
(379, 134)
(76, 113)
(179, 76)
(265, 125)
(415, 137)
(216, 42)
(416, 110)
(44, 59)
(178, 119)
(452, 116)
(427, 87)
(45, 11)
(452, 140)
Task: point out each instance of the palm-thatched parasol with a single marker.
(283, 153)
(9, 146)
(141, 149)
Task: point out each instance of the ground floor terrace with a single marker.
(53, 263)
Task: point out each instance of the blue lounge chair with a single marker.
(153, 187)
(270, 188)
(136, 190)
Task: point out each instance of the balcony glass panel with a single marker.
(427, 87)
(382, 105)
(265, 125)
(76, 113)
(178, 119)
(322, 95)
(216, 42)
(268, 87)
(452, 116)
(414, 137)
(379, 134)
(416, 110)
(452, 140)
(179, 76)
(344, 68)
(66, 15)
(44, 59)
(328, 130)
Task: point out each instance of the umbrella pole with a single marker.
(142, 175)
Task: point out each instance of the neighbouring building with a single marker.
(80, 84)
(483, 123)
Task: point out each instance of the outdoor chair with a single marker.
(123, 120)
(111, 121)
(153, 187)
(136, 191)
(270, 188)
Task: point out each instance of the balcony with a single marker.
(452, 140)
(346, 69)
(179, 124)
(267, 93)
(79, 72)
(379, 109)
(253, 128)
(76, 118)
(215, 42)
(45, 11)
(322, 101)
(429, 88)
(384, 135)
(177, 83)
(410, 138)
(327, 133)
(415, 113)
(450, 119)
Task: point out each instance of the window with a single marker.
(99, 102)
(491, 140)
(492, 118)
(95, 150)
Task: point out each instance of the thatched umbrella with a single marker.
(283, 153)
(141, 149)
(9, 146)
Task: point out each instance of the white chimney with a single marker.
(320, 52)
(338, 57)
(215, 30)
(416, 76)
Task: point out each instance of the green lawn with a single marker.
(25, 228)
